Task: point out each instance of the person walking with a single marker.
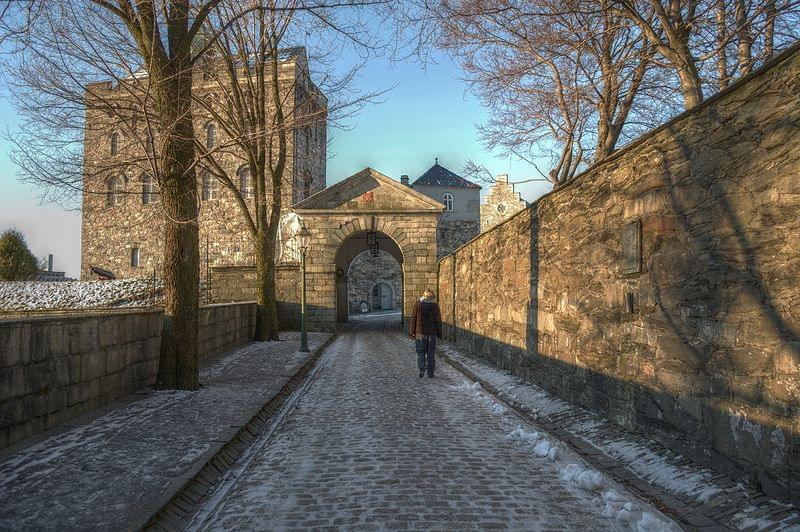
(425, 328)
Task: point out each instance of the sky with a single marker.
(428, 114)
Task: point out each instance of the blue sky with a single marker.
(429, 114)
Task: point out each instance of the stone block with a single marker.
(93, 365)
(111, 386)
(62, 368)
(82, 335)
(10, 348)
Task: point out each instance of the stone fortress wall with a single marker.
(54, 368)
(110, 232)
(660, 288)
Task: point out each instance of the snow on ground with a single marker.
(648, 460)
(69, 295)
(613, 500)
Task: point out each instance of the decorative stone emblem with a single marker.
(502, 208)
(366, 197)
(632, 248)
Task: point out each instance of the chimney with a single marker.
(404, 179)
(502, 178)
(50, 262)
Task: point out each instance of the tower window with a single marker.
(149, 190)
(134, 257)
(447, 199)
(209, 186)
(211, 135)
(113, 142)
(245, 183)
(307, 182)
(114, 192)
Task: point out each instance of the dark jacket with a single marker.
(426, 319)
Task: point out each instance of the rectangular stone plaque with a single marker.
(632, 247)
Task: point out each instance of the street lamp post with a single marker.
(304, 237)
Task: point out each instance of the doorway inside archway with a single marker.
(369, 270)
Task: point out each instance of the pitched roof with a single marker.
(340, 194)
(439, 176)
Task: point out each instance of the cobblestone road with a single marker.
(369, 445)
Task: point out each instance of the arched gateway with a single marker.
(366, 211)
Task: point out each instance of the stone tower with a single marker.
(501, 203)
(123, 221)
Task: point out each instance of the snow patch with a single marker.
(69, 295)
(474, 389)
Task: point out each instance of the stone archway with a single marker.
(351, 248)
(402, 220)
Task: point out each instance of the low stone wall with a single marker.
(238, 283)
(660, 288)
(54, 368)
(225, 326)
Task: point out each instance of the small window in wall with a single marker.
(114, 191)
(209, 186)
(447, 199)
(307, 182)
(134, 257)
(114, 143)
(211, 135)
(149, 190)
(245, 183)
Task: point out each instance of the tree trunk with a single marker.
(178, 367)
(267, 311)
(722, 55)
(769, 29)
(745, 39)
(690, 85)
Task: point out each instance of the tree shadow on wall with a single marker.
(703, 293)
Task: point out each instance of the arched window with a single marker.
(211, 135)
(113, 142)
(209, 186)
(307, 182)
(149, 190)
(114, 191)
(447, 199)
(245, 183)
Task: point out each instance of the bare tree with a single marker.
(689, 33)
(559, 76)
(143, 51)
(269, 113)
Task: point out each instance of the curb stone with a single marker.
(177, 508)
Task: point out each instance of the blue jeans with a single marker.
(426, 347)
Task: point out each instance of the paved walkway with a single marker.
(113, 469)
(369, 445)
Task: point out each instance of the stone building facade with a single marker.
(460, 222)
(122, 225)
(501, 203)
(660, 286)
(374, 283)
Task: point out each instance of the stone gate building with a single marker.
(366, 210)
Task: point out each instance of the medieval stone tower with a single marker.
(122, 226)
